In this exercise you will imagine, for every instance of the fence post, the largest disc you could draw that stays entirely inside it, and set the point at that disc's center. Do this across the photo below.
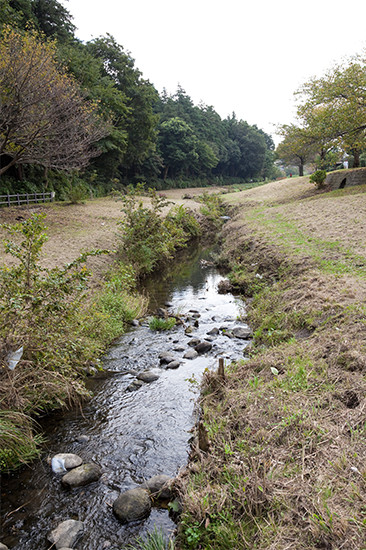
(18, 199)
(52, 195)
(9, 201)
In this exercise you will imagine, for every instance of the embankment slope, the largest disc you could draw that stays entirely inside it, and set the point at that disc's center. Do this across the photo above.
(286, 467)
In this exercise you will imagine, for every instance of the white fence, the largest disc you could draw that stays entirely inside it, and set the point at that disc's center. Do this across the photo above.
(26, 198)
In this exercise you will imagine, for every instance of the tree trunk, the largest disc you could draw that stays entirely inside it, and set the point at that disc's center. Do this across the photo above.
(356, 156)
(20, 172)
(301, 169)
(45, 176)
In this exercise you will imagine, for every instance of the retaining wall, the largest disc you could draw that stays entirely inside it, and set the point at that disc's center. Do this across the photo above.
(346, 178)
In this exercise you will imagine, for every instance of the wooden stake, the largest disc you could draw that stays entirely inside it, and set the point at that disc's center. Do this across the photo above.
(221, 371)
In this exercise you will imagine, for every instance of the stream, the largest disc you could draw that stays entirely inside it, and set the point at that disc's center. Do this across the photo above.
(131, 435)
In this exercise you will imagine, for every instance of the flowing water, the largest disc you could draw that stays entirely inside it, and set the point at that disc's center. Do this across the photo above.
(132, 436)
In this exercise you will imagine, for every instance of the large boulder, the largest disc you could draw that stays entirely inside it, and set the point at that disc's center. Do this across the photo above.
(66, 534)
(132, 505)
(83, 475)
(159, 487)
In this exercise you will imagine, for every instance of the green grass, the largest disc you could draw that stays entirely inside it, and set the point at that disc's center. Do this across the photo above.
(156, 540)
(294, 241)
(159, 324)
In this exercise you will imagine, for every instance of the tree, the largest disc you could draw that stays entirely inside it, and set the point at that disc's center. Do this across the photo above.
(112, 104)
(44, 118)
(333, 107)
(140, 96)
(178, 146)
(245, 149)
(296, 148)
(53, 19)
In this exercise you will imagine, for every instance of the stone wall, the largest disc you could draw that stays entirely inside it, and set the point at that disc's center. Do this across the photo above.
(345, 178)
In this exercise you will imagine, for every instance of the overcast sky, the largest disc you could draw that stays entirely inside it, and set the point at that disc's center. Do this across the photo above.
(247, 56)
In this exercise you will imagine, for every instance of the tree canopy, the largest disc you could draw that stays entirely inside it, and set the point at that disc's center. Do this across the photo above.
(331, 113)
(90, 97)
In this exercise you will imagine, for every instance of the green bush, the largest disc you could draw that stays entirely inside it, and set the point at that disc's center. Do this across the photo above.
(318, 178)
(75, 192)
(148, 238)
(212, 208)
(182, 217)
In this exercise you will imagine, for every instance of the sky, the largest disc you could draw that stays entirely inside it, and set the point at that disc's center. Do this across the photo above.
(246, 56)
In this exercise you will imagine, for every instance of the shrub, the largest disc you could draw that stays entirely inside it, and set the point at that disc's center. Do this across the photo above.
(148, 238)
(17, 442)
(212, 208)
(318, 178)
(183, 218)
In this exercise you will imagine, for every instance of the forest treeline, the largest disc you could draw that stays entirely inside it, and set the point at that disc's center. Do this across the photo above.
(80, 117)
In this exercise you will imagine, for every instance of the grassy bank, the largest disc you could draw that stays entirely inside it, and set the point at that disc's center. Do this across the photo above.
(286, 463)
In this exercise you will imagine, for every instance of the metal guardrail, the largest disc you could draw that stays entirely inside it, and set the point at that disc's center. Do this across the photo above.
(26, 198)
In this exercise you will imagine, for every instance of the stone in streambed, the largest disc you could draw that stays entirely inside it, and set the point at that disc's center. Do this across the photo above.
(194, 342)
(159, 487)
(135, 385)
(166, 358)
(83, 475)
(173, 365)
(179, 348)
(242, 332)
(213, 332)
(203, 347)
(82, 438)
(3, 547)
(69, 460)
(190, 354)
(132, 505)
(66, 534)
(147, 376)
